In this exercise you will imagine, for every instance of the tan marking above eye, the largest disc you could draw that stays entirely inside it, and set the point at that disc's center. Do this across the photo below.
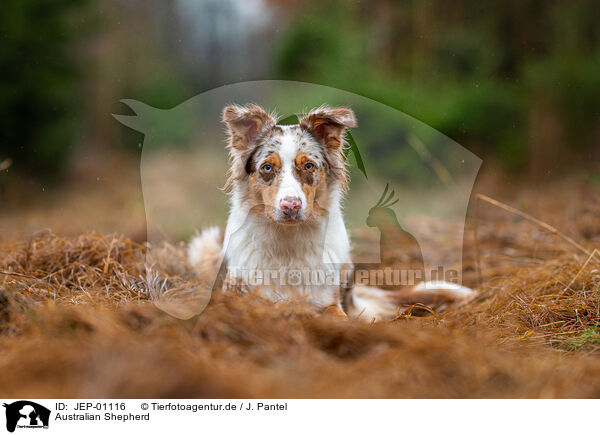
(273, 160)
(306, 175)
(275, 163)
(301, 161)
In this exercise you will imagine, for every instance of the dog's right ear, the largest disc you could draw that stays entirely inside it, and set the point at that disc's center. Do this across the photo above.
(245, 123)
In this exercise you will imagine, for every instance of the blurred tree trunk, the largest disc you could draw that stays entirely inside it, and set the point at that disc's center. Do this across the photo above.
(548, 152)
(423, 36)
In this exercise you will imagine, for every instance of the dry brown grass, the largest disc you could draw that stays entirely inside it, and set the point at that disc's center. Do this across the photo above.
(76, 321)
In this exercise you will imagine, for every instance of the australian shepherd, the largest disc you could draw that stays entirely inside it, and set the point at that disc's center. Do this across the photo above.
(287, 184)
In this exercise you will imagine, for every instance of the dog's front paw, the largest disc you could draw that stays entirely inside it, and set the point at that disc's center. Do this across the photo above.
(335, 311)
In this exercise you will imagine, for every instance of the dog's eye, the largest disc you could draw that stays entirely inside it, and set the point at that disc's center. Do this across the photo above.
(309, 165)
(267, 168)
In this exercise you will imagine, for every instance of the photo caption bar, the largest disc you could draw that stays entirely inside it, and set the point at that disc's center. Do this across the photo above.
(68, 416)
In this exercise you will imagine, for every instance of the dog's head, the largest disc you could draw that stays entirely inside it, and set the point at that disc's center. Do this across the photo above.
(288, 174)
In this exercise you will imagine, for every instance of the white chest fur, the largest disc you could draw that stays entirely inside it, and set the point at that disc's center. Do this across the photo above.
(287, 261)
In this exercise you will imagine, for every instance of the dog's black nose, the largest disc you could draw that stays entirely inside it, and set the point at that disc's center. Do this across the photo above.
(290, 206)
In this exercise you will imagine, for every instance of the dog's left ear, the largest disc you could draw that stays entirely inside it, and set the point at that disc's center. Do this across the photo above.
(328, 124)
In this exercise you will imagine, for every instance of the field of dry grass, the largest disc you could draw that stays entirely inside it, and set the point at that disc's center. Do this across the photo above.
(76, 320)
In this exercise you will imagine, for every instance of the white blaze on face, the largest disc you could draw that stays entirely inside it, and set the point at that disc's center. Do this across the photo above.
(289, 185)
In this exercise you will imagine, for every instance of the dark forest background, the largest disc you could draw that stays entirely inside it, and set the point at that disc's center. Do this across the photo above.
(516, 82)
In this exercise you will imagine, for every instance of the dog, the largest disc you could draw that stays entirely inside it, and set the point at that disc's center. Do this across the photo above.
(287, 185)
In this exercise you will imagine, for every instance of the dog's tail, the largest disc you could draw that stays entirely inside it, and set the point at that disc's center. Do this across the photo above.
(370, 303)
(205, 254)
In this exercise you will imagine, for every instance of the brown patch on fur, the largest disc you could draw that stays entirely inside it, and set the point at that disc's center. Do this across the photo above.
(263, 187)
(317, 200)
(275, 161)
(261, 196)
(306, 176)
(328, 126)
(301, 159)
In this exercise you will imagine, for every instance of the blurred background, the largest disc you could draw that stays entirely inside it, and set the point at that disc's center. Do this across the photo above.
(515, 82)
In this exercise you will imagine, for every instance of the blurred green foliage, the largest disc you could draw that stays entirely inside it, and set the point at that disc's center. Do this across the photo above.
(38, 92)
(514, 80)
(475, 71)
(589, 337)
